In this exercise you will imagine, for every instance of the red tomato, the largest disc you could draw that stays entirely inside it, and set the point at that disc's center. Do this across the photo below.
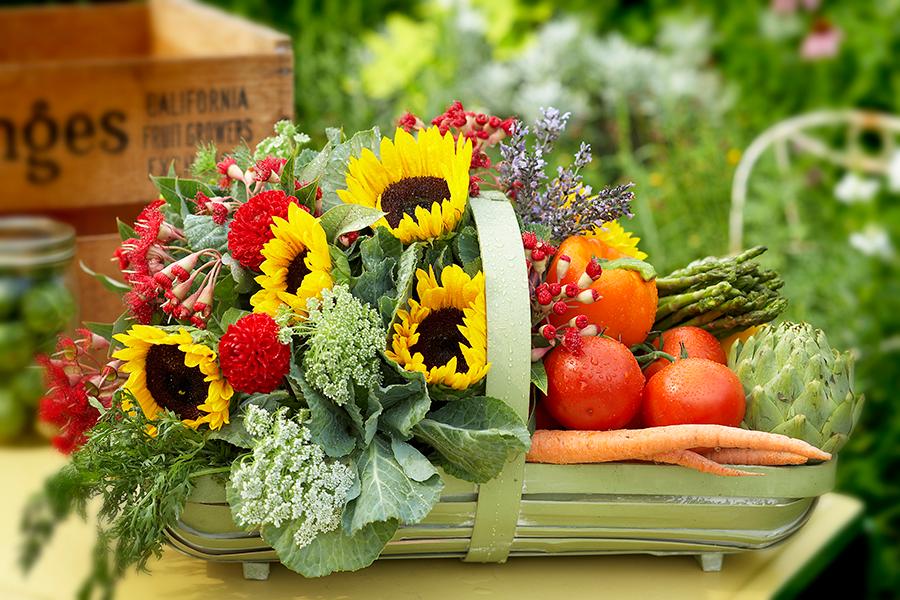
(598, 388)
(695, 391)
(698, 343)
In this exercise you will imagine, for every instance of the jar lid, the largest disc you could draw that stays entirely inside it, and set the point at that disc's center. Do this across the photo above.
(31, 242)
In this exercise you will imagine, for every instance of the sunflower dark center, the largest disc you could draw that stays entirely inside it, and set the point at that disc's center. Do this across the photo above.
(173, 385)
(297, 270)
(440, 337)
(402, 197)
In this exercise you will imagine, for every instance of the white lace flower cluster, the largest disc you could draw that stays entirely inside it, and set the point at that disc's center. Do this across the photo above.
(344, 337)
(288, 478)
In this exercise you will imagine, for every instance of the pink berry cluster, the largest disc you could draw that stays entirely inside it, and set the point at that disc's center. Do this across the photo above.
(557, 298)
(484, 130)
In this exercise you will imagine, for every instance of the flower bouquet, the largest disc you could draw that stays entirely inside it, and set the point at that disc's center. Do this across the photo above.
(333, 355)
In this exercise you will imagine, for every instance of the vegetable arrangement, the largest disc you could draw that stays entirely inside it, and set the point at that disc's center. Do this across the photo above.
(310, 328)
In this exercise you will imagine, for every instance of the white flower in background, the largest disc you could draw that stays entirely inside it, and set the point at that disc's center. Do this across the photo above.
(893, 172)
(288, 478)
(853, 189)
(873, 241)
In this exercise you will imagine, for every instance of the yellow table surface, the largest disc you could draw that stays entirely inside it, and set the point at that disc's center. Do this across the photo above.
(757, 574)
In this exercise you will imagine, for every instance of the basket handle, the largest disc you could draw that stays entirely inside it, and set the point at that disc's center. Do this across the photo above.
(509, 352)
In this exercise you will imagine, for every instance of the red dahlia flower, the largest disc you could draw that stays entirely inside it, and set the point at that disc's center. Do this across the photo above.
(251, 357)
(252, 226)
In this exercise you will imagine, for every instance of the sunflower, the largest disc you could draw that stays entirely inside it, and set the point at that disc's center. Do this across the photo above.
(169, 371)
(296, 265)
(614, 235)
(444, 334)
(422, 184)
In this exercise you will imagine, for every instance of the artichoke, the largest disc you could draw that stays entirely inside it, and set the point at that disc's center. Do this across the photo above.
(797, 385)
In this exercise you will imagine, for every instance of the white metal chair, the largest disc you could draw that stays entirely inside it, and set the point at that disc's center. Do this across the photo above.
(796, 135)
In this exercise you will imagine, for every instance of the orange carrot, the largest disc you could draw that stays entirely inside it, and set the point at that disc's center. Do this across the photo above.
(744, 456)
(568, 447)
(692, 460)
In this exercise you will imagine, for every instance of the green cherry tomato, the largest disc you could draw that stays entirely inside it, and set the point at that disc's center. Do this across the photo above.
(48, 308)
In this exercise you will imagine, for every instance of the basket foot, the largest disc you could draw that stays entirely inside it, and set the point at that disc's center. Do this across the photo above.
(257, 571)
(710, 562)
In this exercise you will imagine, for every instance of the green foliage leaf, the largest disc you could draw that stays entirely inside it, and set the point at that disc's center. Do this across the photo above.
(108, 282)
(376, 282)
(466, 247)
(244, 280)
(387, 492)
(235, 432)
(416, 466)
(330, 552)
(306, 195)
(334, 176)
(345, 218)
(125, 230)
(405, 405)
(380, 245)
(474, 437)
(406, 278)
(330, 425)
(539, 375)
(225, 297)
(287, 179)
(177, 192)
(202, 232)
(340, 267)
(314, 168)
(231, 316)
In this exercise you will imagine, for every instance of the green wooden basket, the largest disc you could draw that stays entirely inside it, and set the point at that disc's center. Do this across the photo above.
(535, 509)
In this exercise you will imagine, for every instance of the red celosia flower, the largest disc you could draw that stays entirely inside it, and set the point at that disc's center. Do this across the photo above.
(251, 226)
(251, 357)
(143, 299)
(72, 376)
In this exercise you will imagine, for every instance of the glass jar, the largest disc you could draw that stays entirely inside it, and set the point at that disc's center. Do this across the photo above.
(37, 302)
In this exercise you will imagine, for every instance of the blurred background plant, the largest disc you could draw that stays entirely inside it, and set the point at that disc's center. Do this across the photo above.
(668, 95)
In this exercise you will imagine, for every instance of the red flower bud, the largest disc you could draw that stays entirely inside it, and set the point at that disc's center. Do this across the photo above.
(555, 289)
(572, 290)
(593, 269)
(544, 297)
(560, 307)
(548, 331)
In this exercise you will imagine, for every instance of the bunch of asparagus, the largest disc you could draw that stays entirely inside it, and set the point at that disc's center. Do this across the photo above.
(721, 295)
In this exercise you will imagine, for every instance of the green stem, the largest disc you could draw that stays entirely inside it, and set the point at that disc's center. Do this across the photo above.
(210, 471)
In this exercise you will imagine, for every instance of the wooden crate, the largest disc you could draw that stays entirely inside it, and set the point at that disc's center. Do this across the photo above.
(93, 98)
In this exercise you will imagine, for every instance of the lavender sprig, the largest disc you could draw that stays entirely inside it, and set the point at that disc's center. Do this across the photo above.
(586, 211)
(566, 206)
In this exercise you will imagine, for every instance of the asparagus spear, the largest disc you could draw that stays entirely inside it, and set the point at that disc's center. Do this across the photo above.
(670, 304)
(728, 324)
(712, 262)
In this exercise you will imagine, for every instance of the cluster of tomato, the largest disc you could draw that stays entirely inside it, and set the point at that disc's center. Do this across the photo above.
(600, 385)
